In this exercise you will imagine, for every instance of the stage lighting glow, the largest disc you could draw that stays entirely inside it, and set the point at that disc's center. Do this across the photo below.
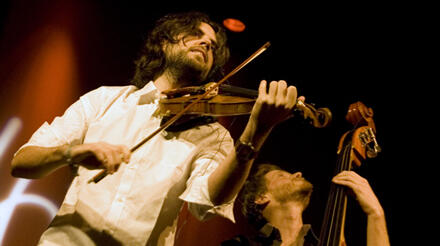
(16, 197)
(234, 25)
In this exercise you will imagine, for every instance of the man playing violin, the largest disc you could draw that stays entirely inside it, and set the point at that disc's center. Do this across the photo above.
(138, 202)
(273, 201)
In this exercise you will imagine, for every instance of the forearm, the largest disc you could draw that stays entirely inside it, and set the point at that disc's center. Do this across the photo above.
(36, 162)
(377, 234)
(271, 107)
(226, 181)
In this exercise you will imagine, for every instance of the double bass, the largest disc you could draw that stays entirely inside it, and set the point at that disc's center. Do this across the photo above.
(354, 147)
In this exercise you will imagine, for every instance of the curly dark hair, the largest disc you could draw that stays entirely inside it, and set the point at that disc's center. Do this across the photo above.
(254, 187)
(151, 62)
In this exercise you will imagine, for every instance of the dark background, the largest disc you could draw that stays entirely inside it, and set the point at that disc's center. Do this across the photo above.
(335, 54)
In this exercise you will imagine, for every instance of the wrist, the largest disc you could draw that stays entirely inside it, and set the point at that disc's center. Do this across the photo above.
(254, 133)
(376, 213)
(68, 158)
(245, 151)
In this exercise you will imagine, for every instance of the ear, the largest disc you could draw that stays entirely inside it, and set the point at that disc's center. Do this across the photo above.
(262, 199)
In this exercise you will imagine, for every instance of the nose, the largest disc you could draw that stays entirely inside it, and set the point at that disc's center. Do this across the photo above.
(297, 175)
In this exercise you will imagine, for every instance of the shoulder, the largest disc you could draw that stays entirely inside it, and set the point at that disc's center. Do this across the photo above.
(101, 98)
(110, 91)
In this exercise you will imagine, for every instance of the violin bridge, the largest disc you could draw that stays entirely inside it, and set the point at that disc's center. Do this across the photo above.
(212, 93)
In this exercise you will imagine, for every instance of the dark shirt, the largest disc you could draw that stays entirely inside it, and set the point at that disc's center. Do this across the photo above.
(270, 236)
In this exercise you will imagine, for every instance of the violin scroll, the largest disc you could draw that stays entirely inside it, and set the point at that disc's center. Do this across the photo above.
(319, 117)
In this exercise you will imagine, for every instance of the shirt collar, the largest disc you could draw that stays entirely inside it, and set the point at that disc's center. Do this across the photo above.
(269, 230)
(148, 94)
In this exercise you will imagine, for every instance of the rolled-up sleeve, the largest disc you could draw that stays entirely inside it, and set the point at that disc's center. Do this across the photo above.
(70, 128)
(196, 193)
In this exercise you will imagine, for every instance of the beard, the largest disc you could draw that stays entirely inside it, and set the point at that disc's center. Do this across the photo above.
(185, 70)
(298, 190)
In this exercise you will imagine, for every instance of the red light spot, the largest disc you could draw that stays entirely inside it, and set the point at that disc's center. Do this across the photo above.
(234, 25)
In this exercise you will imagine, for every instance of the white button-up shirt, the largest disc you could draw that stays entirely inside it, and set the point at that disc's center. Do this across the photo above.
(140, 203)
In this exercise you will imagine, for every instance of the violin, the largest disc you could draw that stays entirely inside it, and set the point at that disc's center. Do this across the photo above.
(320, 117)
(354, 147)
(227, 100)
